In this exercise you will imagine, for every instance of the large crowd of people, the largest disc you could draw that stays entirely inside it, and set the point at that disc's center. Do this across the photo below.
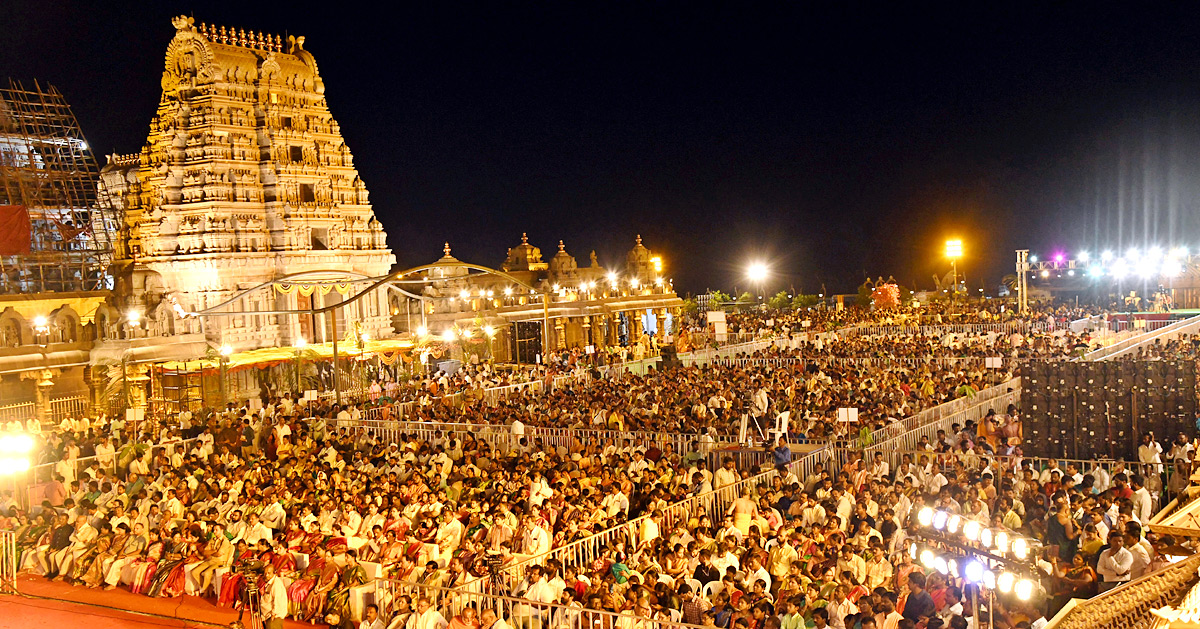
(310, 504)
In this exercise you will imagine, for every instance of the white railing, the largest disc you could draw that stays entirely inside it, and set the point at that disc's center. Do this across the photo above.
(60, 408)
(1008, 327)
(1185, 326)
(936, 413)
(941, 417)
(714, 504)
(18, 412)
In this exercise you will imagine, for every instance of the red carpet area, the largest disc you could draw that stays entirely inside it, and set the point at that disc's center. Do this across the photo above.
(115, 609)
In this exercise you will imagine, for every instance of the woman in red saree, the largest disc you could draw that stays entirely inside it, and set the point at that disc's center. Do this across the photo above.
(299, 590)
(232, 584)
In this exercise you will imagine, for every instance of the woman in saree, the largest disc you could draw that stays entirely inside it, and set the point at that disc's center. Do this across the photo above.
(352, 575)
(299, 590)
(284, 562)
(93, 574)
(315, 602)
(295, 536)
(170, 578)
(139, 572)
(234, 582)
(30, 538)
(98, 547)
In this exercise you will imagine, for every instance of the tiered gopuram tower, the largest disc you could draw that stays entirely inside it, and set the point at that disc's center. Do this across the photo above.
(244, 178)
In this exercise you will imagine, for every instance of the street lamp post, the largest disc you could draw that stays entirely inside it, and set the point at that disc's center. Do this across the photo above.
(954, 251)
(757, 274)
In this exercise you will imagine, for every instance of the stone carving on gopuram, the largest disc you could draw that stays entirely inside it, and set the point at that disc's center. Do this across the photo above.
(244, 178)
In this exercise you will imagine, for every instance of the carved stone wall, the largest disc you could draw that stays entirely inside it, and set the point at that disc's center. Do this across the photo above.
(244, 178)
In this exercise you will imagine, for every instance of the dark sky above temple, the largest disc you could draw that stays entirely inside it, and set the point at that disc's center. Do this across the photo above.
(832, 140)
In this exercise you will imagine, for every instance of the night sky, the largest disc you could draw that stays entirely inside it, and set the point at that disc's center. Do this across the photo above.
(831, 141)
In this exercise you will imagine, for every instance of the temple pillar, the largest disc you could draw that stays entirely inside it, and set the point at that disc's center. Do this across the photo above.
(42, 385)
(137, 379)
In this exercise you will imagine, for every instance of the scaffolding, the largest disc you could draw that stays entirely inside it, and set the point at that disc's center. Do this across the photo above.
(47, 166)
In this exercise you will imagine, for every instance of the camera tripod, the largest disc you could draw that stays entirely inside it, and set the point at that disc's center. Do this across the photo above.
(249, 601)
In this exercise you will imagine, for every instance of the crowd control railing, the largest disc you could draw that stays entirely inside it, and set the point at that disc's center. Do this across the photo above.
(1185, 326)
(508, 605)
(714, 504)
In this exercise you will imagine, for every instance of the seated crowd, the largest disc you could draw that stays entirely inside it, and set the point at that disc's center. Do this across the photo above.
(203, 504)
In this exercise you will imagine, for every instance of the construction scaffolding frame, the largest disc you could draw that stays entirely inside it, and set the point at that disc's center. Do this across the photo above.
(47, 166)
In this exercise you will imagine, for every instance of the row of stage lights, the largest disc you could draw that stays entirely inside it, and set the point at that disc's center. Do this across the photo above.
(973, 569)
(589, 285)
(1154, 262)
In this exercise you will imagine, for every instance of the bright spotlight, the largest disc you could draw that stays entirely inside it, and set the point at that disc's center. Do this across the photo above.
(939, 519)
(422, 330)
(927, 558)
(301, 343)
(1082, 256)
(1120, 268)
(1179, 252)
(1154, 253)
(953, 523)
(1146, 267)
(1106, 256)
(448, 335)
(1024, 589)
(489, 330)
(939, 564)
(133, 317)
(973, 572)
(1005, 582)
(1132, 253)
(989, 580)
(1172, 268)
(925, 516)
(226, 350)
(16, 444)
(1033, 258)
(464, 295)
(39, 321)
(1045, 273)
(1020, 548)
(952, 568)
(508, 291)
(612, 277)
(985, 538)
(757, 272)
(971, 529)
(1002, 542)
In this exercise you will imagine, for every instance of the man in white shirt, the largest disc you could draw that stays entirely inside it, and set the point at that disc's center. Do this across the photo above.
(255, 530)
(1115, 565)
(727, 475)
(1150, 451)
(273, 599)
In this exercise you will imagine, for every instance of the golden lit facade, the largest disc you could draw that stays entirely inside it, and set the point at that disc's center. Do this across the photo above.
(244, 178)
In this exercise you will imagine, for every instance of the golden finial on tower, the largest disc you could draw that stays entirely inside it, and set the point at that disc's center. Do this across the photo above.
(561, 246)
(524, 238)
(446, 249)
(224, 36)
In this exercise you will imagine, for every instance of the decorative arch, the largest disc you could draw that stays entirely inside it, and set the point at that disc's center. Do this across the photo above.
(15, 331)
(65, 325)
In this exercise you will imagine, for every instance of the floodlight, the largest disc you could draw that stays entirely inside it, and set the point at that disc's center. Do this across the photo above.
(925, 516)
(939, 564)
(973, 572)
(939, 519)
(1024, 589)
(1020, 548)
(1002, 541)
(953, 523)
(985, 538)
(971, 530)
(927, 558)
(16, 444)
(1005, 581)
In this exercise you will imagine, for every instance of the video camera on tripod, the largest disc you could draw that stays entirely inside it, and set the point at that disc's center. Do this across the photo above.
(250, 570)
